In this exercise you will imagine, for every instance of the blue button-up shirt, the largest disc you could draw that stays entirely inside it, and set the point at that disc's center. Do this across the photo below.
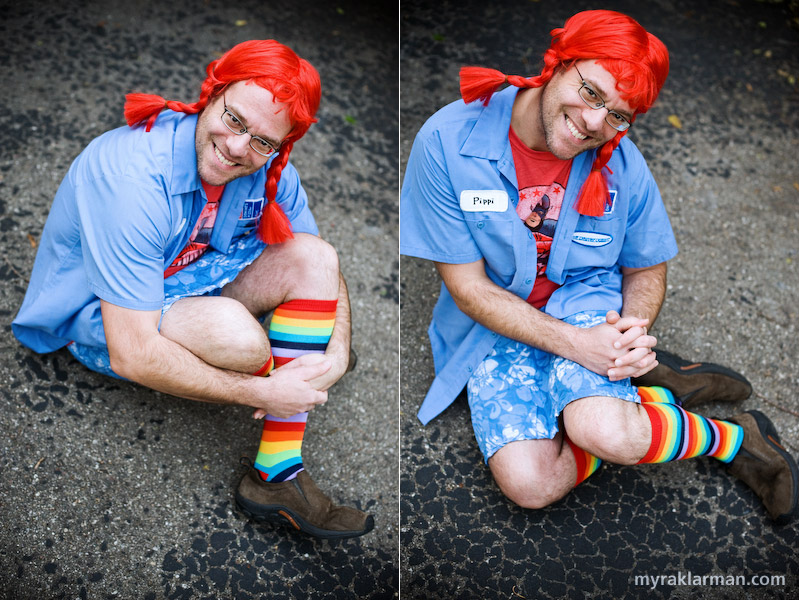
(458, 206)
(124, 211)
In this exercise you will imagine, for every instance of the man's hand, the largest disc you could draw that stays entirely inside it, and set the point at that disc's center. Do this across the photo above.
(291, 388)
(636, 345)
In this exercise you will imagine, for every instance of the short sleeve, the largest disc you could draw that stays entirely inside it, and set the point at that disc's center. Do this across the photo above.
(432, 224)
(649, 239)
(124, 227)
(293, 199)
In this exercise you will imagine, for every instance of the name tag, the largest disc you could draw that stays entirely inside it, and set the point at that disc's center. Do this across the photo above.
(251, 209)
(484, 200)
(590, 238)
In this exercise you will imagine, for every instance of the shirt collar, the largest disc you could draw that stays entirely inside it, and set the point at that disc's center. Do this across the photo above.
(185, 177)
(483, 141)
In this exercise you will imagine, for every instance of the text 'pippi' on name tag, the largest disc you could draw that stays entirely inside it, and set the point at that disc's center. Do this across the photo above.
(484, 200)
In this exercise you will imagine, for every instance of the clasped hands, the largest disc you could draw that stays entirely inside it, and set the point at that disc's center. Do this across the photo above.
(301, 384)
(620, 347)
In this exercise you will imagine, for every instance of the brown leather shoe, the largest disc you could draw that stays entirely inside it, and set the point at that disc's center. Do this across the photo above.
(695, 383)
(353, 361)
(766, 467)
(298, 503)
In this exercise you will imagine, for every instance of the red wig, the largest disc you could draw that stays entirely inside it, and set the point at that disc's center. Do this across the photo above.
(637, 59)
(272, 66)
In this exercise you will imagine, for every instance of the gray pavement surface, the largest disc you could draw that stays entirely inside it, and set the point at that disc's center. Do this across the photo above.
(730, 182)
(110, 490)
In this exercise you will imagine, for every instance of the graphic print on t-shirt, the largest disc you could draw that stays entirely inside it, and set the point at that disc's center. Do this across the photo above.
(201, 234)
(539, 208)
(542, 179)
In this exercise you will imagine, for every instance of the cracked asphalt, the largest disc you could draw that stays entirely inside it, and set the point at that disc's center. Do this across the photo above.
(108, 489)
(730, 183)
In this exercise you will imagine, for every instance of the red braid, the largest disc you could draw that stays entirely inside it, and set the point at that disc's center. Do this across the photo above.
(145, 108)
(595, 194)
(637, 60)
(269, 64)
(275, 227)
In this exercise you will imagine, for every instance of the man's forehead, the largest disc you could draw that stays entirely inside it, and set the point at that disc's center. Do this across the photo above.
(604, 83)
(256, 107)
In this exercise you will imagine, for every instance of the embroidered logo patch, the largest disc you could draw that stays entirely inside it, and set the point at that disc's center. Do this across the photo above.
(591, 238)
(610, 203)
(484, 200)
(251, 209)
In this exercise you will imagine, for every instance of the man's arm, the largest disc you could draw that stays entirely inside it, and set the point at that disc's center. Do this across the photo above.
(140, 353)
(643, 291)
(507, 314)
(340, 343)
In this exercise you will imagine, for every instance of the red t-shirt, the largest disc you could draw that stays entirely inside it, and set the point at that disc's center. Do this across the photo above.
(201, 234)
(542, 181)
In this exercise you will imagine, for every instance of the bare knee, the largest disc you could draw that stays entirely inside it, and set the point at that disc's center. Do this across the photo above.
(311, 254)
(533, 491)
(611, 429)
(532, 473)
(220, 331)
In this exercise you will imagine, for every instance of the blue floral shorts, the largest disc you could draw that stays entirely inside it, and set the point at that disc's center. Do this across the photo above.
(518, 392)
(204, 277)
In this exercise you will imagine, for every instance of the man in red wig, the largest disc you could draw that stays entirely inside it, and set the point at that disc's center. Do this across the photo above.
(547, 330)
(168, 243)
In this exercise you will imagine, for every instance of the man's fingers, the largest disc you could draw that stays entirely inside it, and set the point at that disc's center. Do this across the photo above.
(634, 357)
(308, 366)
(635, 338)
(637, 370)
(315, 398)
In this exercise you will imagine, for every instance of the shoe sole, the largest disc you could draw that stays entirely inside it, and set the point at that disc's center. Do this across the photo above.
(692, 383)
(282, 515)
(769, 433)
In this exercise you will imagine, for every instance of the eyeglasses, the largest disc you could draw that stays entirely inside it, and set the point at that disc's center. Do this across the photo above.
(234, 124)
(595, 101)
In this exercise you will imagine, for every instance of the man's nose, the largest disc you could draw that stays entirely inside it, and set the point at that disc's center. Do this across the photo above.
(594, 119)
(238, 145)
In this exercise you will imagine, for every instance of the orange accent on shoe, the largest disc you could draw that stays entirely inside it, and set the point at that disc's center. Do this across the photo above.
(775, 442)
(689, 367)
(290, 520)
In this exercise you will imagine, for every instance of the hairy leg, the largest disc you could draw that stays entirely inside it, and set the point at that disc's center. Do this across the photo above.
(614, 430)
(305, 267)
(223, 331)
(534, 473)
(220, 331)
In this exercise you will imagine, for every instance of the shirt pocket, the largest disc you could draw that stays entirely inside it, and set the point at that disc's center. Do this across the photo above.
(493, 233)
(248, 218)
(596, 242)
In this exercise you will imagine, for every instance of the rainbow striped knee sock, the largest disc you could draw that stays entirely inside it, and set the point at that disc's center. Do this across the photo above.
(676, 434)
(587, 463)
(298, 327)
(679, 434)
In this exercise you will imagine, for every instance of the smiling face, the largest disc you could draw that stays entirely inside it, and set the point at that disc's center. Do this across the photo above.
(223, 156)
(567, 126)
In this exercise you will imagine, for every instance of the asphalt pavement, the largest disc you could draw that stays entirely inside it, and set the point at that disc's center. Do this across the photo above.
(108, 489)
(722, 143)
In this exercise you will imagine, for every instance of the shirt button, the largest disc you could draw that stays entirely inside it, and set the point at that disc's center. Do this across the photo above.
(480, 225)
(469, 369)
(530, 234)
(528, 281)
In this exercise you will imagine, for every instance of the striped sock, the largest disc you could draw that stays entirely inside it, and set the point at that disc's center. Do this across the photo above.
(298, 327)
(679, 434)
(587, 463)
